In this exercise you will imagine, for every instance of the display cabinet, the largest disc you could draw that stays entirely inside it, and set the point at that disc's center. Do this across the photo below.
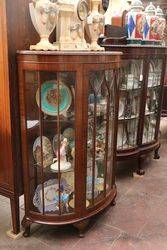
(68, 105)
(14, 20)
(140, 100)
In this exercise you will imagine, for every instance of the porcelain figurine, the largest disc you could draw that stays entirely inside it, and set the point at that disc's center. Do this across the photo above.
(44, 15)
(161, 25)
(71, 22)
(64, 164)
(135, 22)
(95, 25)
(151, 25)
(108, 13)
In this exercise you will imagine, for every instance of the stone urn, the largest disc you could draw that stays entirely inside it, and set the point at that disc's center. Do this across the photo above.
(95, 25)
(44, 16)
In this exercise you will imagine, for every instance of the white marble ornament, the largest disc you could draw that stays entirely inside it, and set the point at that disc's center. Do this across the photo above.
(71, 22)
(95, 25)
(44, 14)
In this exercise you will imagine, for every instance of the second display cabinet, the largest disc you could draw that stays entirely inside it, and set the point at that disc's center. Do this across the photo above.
(68, 105)
(140, 101)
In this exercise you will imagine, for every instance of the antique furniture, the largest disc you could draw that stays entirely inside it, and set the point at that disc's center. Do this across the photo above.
(68, 105)
(140, 100)
(16, 32)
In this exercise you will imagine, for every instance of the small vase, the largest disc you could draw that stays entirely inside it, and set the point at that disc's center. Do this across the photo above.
(44, 15)
(161, 25)
(108, 13)
(135, 22)
(95, 25)
(151, 26)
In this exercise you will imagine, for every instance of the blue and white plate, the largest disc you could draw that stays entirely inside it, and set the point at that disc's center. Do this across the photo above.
(51, 196)
(52, 99)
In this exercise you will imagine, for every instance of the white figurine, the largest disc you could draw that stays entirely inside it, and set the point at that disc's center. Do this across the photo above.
(95, 25)
(44, 16)
(64, 164)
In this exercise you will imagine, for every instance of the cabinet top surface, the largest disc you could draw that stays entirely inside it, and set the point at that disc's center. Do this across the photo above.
(69, 53)
(137, 49)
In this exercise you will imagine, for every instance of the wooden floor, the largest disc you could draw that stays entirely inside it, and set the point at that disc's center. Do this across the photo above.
(138, 221)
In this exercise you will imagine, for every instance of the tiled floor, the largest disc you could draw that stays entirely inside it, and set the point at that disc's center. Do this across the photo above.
(138, 221)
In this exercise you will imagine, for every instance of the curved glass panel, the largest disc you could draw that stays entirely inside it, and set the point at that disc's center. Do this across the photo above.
(129, 104)
(100, 134)
(152, 102)
(50, 120)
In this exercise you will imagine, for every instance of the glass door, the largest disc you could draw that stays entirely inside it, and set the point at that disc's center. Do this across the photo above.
(101, 102)
(153, 100)
(50, 123)
(129, 104)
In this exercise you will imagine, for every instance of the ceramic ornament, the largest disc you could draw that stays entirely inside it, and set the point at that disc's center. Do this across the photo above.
(135, 22)
(44, 15)
(64, 164)
(71, 23)
(151, 25)
(108, 13)
(95, 25)
(161, 24)
(115, 9)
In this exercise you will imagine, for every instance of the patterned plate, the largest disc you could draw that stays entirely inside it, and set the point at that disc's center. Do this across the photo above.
(51, 196)
(51, 99)
(47, 151)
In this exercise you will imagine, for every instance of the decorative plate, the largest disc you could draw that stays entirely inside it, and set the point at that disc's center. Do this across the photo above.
(132, 132)
(47, 151)
(72, 203)
(50, 98)
(51, 196)
(121, 137)
(121, 107)
(89, 188)
(69, 133)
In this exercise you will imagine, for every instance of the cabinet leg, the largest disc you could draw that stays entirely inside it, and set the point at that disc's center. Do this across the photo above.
(14, 202)
(81, 227)
(140, 171)
(156, 153)
(27, 232)
(26, 224)
(113, 203)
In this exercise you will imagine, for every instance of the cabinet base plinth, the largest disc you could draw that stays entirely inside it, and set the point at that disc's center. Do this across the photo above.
(13, 236)
(81, 226)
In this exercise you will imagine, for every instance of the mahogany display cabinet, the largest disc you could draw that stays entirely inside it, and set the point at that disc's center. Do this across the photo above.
(68, 106)
(140, 101)
(14, 19)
